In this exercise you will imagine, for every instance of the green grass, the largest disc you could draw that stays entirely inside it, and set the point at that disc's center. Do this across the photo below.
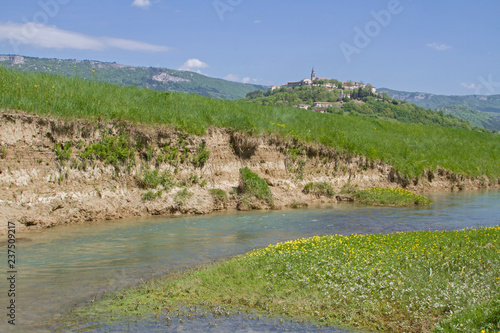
(391, 197)
(412, 282)
(409, 148)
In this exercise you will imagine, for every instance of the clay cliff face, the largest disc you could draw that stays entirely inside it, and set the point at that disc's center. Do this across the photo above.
(45, 179)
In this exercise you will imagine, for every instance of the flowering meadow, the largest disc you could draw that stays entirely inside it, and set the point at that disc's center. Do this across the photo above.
(404, 282)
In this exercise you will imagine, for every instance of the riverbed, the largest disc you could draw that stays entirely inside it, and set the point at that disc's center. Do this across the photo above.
(68, 265)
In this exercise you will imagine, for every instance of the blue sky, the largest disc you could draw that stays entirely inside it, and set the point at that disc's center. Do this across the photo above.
(438, 46)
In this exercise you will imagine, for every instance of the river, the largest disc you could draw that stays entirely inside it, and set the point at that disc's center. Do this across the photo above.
(58, 268)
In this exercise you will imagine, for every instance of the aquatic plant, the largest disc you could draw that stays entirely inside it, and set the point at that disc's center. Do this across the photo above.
(390, 197)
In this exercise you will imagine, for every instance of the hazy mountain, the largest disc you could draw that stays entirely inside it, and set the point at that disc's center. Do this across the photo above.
(153, 77)
(479, 110)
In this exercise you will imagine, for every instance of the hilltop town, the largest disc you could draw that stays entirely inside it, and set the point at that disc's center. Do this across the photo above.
(346, 90)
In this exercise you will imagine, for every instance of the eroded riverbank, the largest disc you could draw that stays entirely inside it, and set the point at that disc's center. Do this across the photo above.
(55, 172)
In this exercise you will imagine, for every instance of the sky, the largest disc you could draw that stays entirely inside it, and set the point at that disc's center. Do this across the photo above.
(448, 47)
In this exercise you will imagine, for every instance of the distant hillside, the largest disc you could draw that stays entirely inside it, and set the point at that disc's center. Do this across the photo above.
(483, 103)
(475, 117)
(479, 110)
(153, 77)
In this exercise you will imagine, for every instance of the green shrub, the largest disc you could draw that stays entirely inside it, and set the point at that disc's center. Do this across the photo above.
(182, 195)
(116, 150)
(201, 156)
(151, 179)
(349, 189)
(169, 154)
(319, 189)
(255, 186)
(149, 154)
(63, 151)
(220, 195)
(3, 152)
(296, 205)
(152, 195)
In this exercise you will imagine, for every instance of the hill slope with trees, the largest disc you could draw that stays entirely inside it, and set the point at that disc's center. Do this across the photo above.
(359, 102)
(480, 110)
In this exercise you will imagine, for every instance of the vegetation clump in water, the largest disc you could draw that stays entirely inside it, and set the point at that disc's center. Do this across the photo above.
(390, 197)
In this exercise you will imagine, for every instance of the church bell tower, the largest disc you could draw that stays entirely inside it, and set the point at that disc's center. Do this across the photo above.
(313, 75)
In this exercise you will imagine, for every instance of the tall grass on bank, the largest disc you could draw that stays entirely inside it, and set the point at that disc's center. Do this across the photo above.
(403, 282)
(410, 148)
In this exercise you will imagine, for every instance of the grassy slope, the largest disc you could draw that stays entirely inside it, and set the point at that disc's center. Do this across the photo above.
(136, 76)
(410, 148)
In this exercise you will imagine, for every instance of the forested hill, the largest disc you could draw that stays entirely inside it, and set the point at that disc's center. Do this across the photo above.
(479, 110)
(363, 103)
(147, 77)
(485, 103)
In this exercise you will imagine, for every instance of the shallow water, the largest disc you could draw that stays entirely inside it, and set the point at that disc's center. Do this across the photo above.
(60, 267)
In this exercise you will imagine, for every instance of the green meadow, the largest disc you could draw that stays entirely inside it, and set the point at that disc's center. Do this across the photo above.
(443, 281)
(409, 148)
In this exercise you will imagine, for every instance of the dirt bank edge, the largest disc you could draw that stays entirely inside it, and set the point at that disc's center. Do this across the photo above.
(41, 188)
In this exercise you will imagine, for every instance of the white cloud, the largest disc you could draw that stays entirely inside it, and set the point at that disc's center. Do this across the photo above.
(232, 77)
(193, 65)
(468, 85)
(142, 3)
(257, 21)
(51, 37)
(439, 46)
(237, 78)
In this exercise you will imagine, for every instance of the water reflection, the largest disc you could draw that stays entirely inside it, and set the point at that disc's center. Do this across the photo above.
(66, 265)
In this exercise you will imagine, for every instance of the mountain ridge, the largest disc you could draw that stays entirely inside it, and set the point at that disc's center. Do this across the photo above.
(485, 103)
(158, 78)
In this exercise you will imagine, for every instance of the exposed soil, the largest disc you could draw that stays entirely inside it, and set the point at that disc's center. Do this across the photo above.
(39, 190)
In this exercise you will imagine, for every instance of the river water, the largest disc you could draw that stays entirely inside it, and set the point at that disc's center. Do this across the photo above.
(60, 267)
